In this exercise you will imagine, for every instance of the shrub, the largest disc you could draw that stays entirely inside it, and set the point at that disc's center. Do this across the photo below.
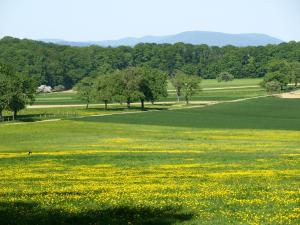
(273, 86)
(59, 88)
(225, 76)
(275, 78)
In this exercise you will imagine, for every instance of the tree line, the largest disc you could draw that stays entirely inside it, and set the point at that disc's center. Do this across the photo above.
(132, 84)
(55, 65)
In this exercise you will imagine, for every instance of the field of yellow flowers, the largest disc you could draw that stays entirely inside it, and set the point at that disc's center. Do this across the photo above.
(108, 173)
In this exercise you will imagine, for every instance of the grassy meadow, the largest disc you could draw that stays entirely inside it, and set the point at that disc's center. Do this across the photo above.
(212, 90)
(229, 163)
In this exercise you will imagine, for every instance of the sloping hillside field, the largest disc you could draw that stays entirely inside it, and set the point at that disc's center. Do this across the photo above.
(229, 163)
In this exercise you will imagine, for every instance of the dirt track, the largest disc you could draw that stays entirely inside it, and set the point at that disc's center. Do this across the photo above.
(135, 103)
(294, 94)
(198, 105)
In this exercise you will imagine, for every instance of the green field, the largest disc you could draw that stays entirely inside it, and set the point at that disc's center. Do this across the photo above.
(229, 163)
(212, 83)
(57, 98)
(222, 94)
(205, 95)
(74, 107)
(243, 90)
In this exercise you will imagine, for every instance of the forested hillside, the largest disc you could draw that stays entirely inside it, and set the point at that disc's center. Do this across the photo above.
(56, 64)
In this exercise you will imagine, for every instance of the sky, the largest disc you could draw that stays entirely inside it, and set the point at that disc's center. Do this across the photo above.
(96, 20)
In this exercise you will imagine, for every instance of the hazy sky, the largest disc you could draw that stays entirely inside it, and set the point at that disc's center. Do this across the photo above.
(83, 20)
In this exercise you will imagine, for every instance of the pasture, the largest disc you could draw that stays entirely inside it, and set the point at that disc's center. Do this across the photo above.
(212, 90)
(229, 163)
(58, 105)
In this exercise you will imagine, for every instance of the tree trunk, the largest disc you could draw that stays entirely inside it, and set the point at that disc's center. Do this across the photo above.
(105, 102)
(177, 95)
(142, 104)
(128, 104)
(15, 114)
(87, 106)
(187, 100)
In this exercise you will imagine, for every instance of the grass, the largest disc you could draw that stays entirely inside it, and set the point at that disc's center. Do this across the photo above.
(226, 94)
(39, 114)
(221, 95)
(58, 98)
(232, 163)
(261, 113)
(213, 83)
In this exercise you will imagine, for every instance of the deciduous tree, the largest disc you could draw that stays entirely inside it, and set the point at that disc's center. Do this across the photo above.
(178, 83)
(104, 88)
(85, 90)
(23, 89)
(127, 83)
(191, 86)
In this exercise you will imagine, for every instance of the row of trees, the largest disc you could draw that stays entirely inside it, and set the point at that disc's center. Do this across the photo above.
(142, 84)
(16, 90)
(65, 65)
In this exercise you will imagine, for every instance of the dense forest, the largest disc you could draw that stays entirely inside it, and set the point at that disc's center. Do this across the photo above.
(53, 64)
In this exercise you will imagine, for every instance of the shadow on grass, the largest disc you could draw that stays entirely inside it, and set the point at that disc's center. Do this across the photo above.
(25, 118)
(135, 108)
(25, 213)
(44, 116)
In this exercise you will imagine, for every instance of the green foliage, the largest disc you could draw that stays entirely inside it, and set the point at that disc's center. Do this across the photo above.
(279, 73)
(277, 76)
(273, 86)
(138, 83)
(153, 84)
(191, 86)
(277, 65)
(23, 91)
(178, 82)
(5, 89)
(127, 85)
(16, 90)
(225, 76)
(212, 90)
(55, 64)
(85, 90)
(295, 72)
(104, 88)
(58, 88)
(185, 84)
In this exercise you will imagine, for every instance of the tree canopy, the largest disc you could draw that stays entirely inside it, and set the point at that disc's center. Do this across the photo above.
(56, 65)
(279, 74)
(85, 90)
(128, 85)
(186, 85)
(16, 90)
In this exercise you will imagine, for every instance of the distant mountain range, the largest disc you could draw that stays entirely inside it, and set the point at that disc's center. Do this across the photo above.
(190, 37)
